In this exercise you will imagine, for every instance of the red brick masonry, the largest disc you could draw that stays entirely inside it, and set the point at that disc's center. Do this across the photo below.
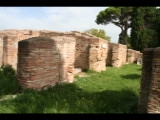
(71, 50)
(149, 101)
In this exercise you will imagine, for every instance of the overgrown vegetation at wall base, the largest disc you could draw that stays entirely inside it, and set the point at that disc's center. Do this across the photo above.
(8, 80)
(115, 90)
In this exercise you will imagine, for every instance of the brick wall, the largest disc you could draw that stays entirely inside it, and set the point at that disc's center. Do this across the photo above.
(119, 53)
(91, 51)
(36, 58)
(49, 33)
(1, 50)
(82, 52)
(10, 44)
(25, 34)
(66, 47)
(130, 56)
(98, 54)
(134, 56)
(149, 101)
(82, 46)
(71, 50)
(109, 55)
(116, 53)
(44, 61)
(81, 49)
(10, 50)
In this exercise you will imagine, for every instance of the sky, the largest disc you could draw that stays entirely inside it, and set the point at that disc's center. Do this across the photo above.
(62, 19)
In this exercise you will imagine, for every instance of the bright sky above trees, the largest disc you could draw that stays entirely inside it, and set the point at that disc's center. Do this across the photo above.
(63, 19)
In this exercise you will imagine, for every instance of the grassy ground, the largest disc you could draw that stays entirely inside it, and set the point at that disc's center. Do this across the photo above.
(115, 90)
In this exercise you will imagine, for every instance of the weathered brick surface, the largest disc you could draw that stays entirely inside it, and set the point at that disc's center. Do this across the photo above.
(82, 46)
(149, 101)
(145, 80)
(134, 56)
(81, 49)
(10, 40)
(154, 96)
(138, 58)
(98, 54)
(10, 50)
(91, 51)
(119, 53)
(82, 52)
(49, 33)
(44, 61)
(109, 55)
(38, 61)
(66, 48)
(69, 50)
(1, 50)
(130, 55)
(116, 53)
(25, 34)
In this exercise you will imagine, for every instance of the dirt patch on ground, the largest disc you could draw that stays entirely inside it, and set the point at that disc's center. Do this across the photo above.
(82, 74)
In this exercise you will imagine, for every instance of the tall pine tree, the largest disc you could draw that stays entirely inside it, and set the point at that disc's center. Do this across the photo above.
(119, 16)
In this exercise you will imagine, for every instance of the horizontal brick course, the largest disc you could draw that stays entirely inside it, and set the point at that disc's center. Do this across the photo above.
(149, 101)
(29, 63)
(44, 61)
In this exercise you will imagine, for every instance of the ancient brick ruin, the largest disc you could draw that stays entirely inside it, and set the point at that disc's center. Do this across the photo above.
(43, 61)
(149, 101)
(55, 55)
(9, 44)
(44, 58)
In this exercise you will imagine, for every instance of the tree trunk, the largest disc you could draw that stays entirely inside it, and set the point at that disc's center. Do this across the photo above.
(123, 37)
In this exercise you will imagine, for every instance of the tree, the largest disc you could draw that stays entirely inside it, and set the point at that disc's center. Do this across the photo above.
(144, 31)
(119, 16)
(99, 33)
(158, 26)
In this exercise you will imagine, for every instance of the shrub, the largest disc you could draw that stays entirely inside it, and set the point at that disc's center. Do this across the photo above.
(8, 80)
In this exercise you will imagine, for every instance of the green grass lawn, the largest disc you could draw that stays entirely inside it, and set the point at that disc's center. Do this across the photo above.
(115, 90)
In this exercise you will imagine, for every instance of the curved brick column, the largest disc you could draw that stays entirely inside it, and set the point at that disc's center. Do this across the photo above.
(38, 63)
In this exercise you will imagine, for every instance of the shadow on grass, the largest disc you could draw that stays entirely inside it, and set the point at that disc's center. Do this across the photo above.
(69, 98)
(131, 76)
(140, 69)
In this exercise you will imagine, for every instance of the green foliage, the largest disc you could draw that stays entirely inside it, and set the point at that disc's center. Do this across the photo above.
(144, 28)
(115, 90)
(99, 33)
(7, 70)
(158, 26)
(119, 16)
(8, 80)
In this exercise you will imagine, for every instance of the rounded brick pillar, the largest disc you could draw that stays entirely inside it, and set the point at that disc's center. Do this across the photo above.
(38, 63)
